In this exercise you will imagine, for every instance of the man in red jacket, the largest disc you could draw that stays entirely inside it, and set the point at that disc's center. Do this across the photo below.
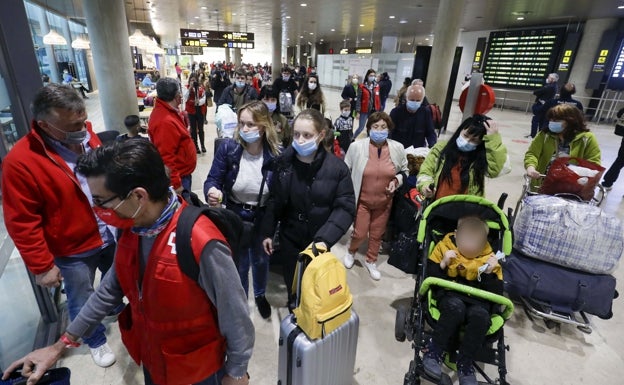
(170, 136)
(182, 330)
(47, 208)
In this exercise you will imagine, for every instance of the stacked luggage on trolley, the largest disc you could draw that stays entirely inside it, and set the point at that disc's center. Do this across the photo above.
(565, 248)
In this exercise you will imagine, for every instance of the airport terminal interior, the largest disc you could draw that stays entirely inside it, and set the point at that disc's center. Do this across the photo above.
(396, 38)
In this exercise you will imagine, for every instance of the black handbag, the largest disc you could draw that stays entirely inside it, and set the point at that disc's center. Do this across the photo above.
(404, 253)
(56, 376)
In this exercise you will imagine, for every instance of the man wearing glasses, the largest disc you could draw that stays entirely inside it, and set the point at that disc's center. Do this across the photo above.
(47, 207)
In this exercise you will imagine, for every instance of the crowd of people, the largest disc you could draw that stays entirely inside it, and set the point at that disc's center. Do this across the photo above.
(296, 177)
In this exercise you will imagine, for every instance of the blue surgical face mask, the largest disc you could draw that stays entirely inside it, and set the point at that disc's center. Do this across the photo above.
(271, 105)
(371, 79)
(555, 127)
(240, 84)
(249, 136)
(464, 145)
(412, 105)
(378, 136)
(307, 148)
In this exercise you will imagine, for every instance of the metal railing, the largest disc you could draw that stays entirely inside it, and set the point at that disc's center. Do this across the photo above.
(608, 104)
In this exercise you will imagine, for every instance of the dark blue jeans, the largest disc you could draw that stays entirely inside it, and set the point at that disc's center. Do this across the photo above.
(362, 126)
(215, 379)
(78, 276)
(186, 182)
(254, 257)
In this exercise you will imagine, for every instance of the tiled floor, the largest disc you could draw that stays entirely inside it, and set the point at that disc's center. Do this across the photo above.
(538, 356)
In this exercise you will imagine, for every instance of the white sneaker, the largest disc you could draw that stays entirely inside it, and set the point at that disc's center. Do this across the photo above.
(348, 260)
(372, 270)
(103, 356)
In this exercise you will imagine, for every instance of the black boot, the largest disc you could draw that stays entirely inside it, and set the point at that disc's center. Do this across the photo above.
(263, 306)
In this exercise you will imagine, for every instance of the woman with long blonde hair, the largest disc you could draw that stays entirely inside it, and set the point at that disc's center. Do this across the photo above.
(239, 178)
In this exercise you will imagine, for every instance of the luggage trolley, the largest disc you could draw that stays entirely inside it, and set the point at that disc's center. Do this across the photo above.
(551, 313)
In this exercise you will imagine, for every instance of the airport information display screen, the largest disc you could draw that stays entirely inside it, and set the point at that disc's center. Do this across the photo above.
(521, 58)
(616, 78)
(222, 39)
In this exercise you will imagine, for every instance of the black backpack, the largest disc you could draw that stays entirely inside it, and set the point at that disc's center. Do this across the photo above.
(234, 229)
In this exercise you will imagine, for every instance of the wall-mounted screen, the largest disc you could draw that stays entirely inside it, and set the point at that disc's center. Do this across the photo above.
(522, 58)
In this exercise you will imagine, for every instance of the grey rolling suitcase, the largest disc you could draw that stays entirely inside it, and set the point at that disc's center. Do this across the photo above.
(325, 361)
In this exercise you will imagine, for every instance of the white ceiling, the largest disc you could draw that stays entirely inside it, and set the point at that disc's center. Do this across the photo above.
(334, 21)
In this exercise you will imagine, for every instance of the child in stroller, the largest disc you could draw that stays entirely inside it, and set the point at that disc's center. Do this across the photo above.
(463, 256)
(469, 284)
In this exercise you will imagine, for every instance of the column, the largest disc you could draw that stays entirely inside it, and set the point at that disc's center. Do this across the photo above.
(228, 57)
(446, 35)
(67, 35)
(584, 60)
(108, 33)
(45, 28)
(237, 57)
(276, 57)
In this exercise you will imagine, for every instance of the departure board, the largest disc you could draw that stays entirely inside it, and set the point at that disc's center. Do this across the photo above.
(522, 58)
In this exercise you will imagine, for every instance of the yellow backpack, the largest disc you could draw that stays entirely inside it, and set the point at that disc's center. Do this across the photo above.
(325, 299)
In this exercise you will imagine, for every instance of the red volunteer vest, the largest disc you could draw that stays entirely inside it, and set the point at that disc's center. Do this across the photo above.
(366, 95)
(170, 326)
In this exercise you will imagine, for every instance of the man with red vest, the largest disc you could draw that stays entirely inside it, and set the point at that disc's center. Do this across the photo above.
(169, 134)
(182, 330)
(47, 208)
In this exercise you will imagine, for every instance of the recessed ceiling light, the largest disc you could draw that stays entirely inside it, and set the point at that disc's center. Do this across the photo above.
(403, 21)
(303, 4)
(301, 37)
(420, 21)
(234, 14)
(288, 17)
(361, 25)
(362, 39)
(620, 6)
(333, 29)
(322, 39)
(520, 18)
(267, 23)
(287, 38)
(391, 17)
(191, 23)
(426, 38)
(311, 33)
(197, 17)
(409, 43)
(204, 7)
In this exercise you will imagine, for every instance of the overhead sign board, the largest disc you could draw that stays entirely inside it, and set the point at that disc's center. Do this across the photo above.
(216, 39)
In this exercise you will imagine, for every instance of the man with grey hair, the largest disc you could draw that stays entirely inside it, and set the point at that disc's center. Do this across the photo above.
(543, 95)
(47, 207)
(413, 122)
(169, 134)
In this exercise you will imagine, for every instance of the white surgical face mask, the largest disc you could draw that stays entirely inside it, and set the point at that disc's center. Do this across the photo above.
(311, 86)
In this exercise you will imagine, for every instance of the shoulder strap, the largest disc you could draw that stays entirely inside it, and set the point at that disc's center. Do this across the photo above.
(184, 251)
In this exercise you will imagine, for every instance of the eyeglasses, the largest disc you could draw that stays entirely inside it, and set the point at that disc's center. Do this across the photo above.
(102, 203)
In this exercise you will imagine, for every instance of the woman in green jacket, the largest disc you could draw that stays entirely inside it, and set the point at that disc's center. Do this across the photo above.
(460, 165)
(566, 135)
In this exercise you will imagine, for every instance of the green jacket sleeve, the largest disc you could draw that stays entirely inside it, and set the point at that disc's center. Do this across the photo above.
(531, 157)
(429, 169)
(496, 154)
(592, 150)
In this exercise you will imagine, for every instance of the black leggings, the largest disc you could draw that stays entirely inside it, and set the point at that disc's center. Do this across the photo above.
(197, 127)
(454, 312)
